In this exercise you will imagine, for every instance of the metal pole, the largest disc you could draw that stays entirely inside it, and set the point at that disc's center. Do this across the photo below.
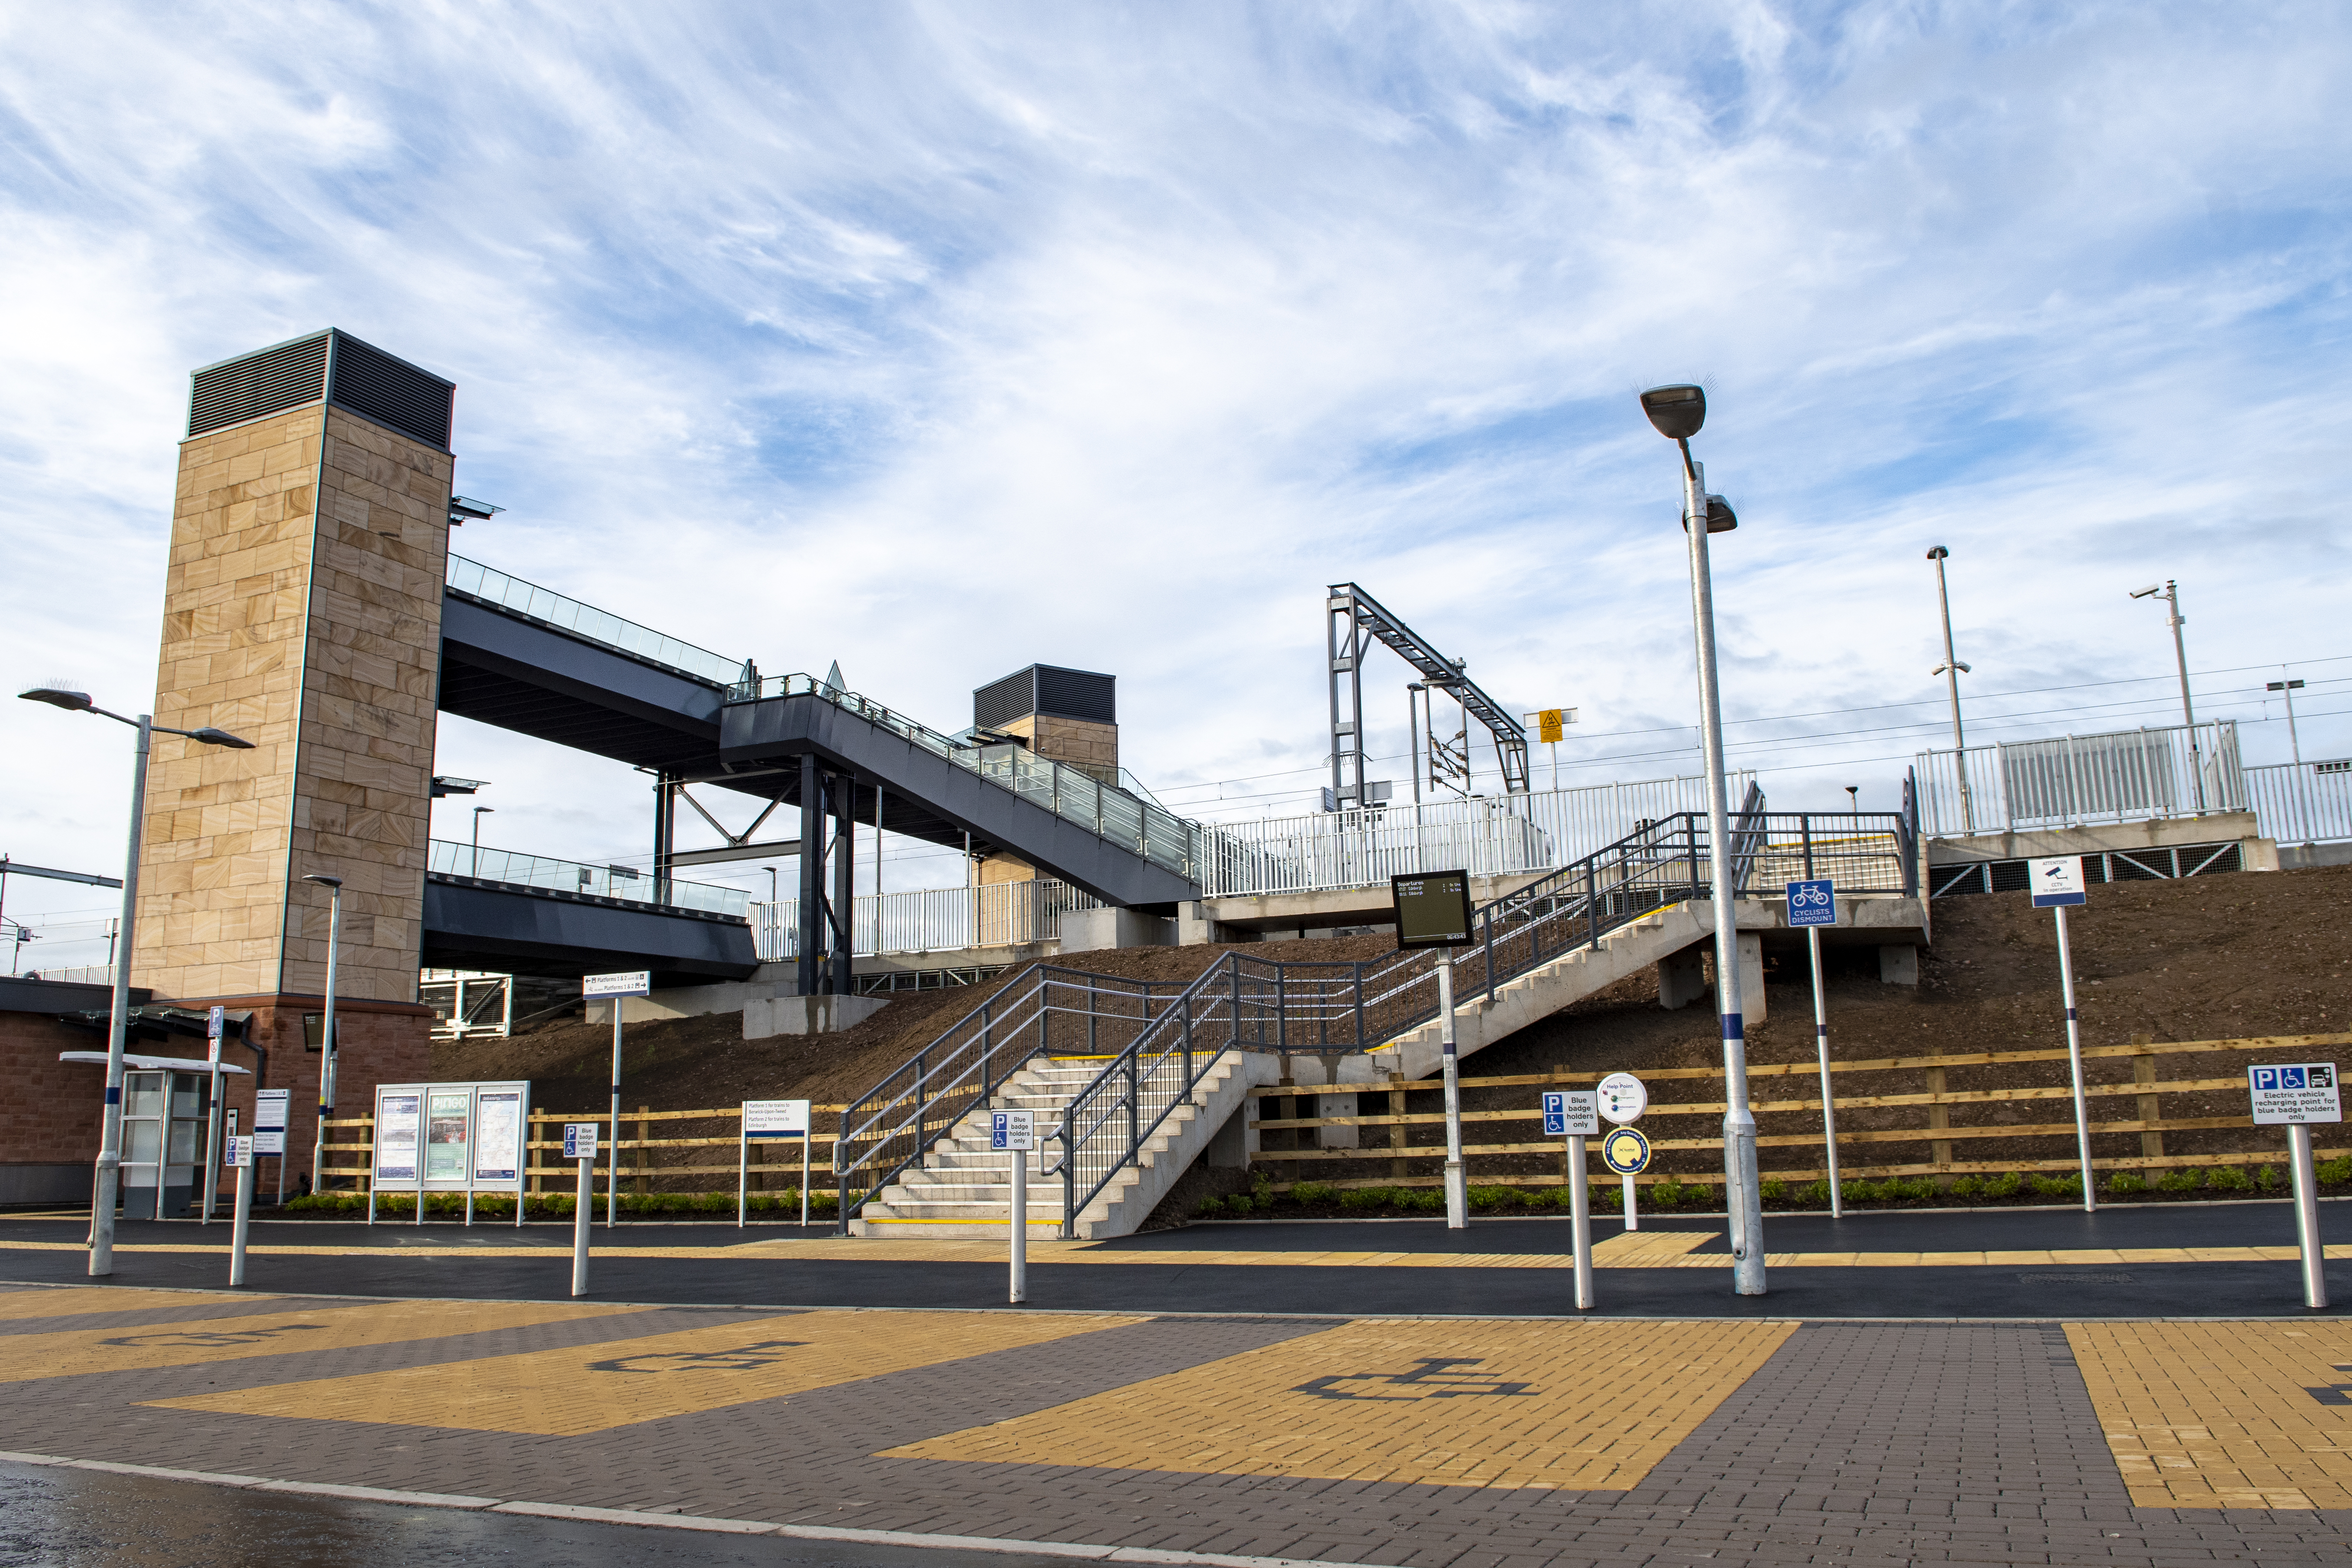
(744, 1166)
(613, 1160)
(808, 1135)
(244, 1217)
(1822, 1045)
(1952, 676)
(1580, 1206)
(327, 1056)
(1457, 1197)
(1020, 1226)
(1740, 1196)
(2307, 1217)
(583, 1208)
(106, 1187)
(2188, 708)
(2075, 1063)
(1632, 1215)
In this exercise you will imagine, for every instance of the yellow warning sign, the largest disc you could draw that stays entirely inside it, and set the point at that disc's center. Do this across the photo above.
(1549, 722)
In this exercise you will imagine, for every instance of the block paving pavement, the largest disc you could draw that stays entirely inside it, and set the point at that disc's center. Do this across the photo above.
(1845, 1442)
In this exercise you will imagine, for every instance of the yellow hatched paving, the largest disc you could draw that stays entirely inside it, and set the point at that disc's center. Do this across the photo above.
(571, 1393)
(257, 1331)
(1585, 1407)
(2224, 1414)
(74, 1299)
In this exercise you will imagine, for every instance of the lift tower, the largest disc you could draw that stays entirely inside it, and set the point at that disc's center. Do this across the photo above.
(1354, 621)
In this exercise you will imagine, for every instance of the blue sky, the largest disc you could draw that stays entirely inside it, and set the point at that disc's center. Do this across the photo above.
(941, 339)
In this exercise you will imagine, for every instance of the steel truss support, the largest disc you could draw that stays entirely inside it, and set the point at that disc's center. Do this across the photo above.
(1354, 620)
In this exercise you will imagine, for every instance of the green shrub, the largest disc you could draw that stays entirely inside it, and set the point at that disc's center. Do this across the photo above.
(1916, 1188)
(1240, 1204)
(1814, 1195)
(1608, 1198)
(1262, 1189)
(1426, 1199)
(2270, 1178)
(2179, 1182)
(2333, 1173)
(1968, 1187)
(1486, 1200)
(2124, 1183)
(1367, 1198)
(2229, 1179)
(1210, 1205)
(1773, 1191)
(1313, 1192)
(2069, 1187)
(1663, 1194)
(2006, 1185)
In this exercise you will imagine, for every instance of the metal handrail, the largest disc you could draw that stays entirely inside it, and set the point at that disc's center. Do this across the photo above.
(1346, 1007)
(1136, 822)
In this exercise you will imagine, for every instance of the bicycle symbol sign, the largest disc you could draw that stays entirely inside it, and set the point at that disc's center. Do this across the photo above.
(1812, 903)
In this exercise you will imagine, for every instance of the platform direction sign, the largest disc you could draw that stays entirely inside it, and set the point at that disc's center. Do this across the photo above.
(2298, 1094)
(1812, 903)
(1571, 1114)
(632, 982)
(775, 1118)
(2057, 882)
(269, 1121)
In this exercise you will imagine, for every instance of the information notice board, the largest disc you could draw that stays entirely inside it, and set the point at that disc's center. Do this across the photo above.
(451, 1137)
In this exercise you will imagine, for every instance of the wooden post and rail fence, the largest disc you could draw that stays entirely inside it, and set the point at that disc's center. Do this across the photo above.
(1933, 1103)
(644, 1161)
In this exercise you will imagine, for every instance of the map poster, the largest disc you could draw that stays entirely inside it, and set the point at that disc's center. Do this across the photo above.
(396, 1138)
(498, 1135)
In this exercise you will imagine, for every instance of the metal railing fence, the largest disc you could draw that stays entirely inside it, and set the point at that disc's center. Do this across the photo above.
(548, 607)
(1496, 836)
(934, 920)
(2302, 803)
(448, 858)
(1075, 795)
(2119, 775)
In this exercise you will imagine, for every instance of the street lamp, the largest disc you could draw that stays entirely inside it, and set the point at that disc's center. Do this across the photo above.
(106, 1187)
(1676, 413)
(334, 886)
(1952, 669)
(479, 812)
(2169, 592)
(2287, 689)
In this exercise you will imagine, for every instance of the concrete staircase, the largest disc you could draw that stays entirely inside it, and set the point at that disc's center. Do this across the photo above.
(963, 1188)
(1539, 992)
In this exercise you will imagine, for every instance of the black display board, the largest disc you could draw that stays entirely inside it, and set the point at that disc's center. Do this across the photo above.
(1433, 909)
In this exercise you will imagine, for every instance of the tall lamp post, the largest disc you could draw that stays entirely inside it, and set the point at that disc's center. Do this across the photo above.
(108, 1183)
(334, 886)
(1676, 413)
(2169, 592)
(479, 812)
(1952, 669)
(2287, 689)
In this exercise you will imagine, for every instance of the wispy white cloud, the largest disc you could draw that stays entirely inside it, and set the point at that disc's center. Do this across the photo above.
(939, 339)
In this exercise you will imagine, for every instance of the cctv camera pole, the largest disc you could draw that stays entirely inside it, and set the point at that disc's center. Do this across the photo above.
(107, 1189)
(327, 1046)
(2188, 708)
(1951, 671)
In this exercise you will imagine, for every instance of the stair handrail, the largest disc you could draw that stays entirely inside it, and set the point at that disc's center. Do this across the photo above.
(1344, 1007)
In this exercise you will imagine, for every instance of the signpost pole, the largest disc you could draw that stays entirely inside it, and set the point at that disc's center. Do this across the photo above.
(742, 1165)
(583, 1210)
(2307, 1217)
(241, 1151)
(1822, 1045)
(1632, 1215)
(2075, 1064)
(1457, 1197)
(613, 1160)
(1580, 1208)
(1021, 1225)
(212, 1026)
(808, 1134)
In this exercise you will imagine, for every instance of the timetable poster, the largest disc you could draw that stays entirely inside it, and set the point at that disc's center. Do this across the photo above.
(396, 1138)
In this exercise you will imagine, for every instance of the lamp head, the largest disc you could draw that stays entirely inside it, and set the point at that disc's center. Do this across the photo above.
(1719, 516)
(324, 881)
(212, 737)
(1676, 412)
(71, 701)
(1939, 553)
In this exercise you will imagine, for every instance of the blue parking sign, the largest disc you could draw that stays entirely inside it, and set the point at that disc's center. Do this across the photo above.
(1812, 903)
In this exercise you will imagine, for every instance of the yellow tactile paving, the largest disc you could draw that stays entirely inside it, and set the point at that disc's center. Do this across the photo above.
(2224, 1414)
(1589, 1407)
(569, 1393)
(74, 1299)
(1654, 1249)
(244, 1331)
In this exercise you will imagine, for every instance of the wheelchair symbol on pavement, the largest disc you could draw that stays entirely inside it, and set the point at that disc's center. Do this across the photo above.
(742, 1358)
(1433, 1377)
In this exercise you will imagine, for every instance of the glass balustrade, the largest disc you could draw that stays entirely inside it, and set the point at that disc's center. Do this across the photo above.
(453, 859)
